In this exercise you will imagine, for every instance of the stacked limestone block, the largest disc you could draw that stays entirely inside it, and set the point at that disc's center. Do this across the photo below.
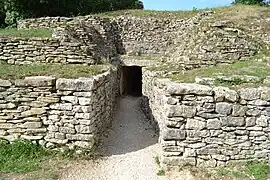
(205, 126)
(58, 112)
(45, 50)
(23, 108)
(84, 111)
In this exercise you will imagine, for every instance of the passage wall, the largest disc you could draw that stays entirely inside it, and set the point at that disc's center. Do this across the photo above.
(205, 126)
(52, 112)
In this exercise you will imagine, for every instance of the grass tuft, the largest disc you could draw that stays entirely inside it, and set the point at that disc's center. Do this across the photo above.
(258, 66)
(161, 172)
(157, 161)
(150, 13)
(26, 33)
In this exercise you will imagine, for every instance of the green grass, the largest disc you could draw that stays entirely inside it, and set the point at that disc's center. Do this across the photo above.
(22, 157)
(256, 66)
(68, 71)
(251, 68)
(26, 33)
(221, 172)
(161, 172)
(151, 13)
(250, 170)
(259, 171)
(25, 160)
(157, 161)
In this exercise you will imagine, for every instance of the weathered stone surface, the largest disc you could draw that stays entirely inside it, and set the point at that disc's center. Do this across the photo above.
(5, 83)
(48, 99)
(185, 88)
(172, 101)
(223, 93)
(258, 102)
(224, 108)
(32, 125)
(233, 121)
(83, 84)
(250, 93)
(27, 137)
(250, 121)
(239, 110)
(6, 126)
(81, 137)
(7, 106)
(33, 112)
(39, 81)
(67, 130)
(84, 101)
(262, 121)
(181, 111)
(70, 99)
(265, 94)
(62, 106)
(195, 124)
(82, 129)
(213, 124)
(173, 134)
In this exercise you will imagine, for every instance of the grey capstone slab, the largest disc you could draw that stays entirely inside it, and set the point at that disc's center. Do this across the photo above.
(185, 88)
(39, 81)
(224, 93)
(82, 84)
(5, 83)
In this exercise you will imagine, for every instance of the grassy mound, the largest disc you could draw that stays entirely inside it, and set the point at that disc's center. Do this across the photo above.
(68, 71)
(26, 33)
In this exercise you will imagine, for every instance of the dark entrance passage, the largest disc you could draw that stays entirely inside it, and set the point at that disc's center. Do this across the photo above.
(132, 80)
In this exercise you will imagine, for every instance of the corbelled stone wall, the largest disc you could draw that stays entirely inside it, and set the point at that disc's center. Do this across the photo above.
(213, 43)
(37, 50)
(204, 126)
(54, 112)
(133, 35)
(186, 42)
(78, 45)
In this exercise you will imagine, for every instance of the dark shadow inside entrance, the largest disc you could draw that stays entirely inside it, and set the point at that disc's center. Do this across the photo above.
(132, 80)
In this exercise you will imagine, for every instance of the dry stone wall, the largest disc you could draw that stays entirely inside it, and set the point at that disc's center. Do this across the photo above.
(37, 50)
(213, 43)
(56, 112)
(186, 42)
(208, 126)
(132, 35)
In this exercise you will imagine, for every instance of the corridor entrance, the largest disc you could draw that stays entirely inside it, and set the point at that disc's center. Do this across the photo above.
(131, 80)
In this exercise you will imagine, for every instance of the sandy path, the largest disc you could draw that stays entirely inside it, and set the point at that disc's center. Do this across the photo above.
(130, 148)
